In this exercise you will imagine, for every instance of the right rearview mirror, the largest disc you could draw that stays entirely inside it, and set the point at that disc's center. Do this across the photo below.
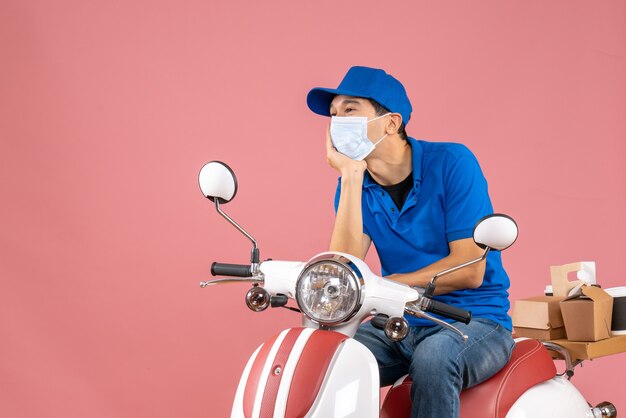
(496, 231)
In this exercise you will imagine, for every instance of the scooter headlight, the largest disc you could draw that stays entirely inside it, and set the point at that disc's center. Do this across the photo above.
(328, 290)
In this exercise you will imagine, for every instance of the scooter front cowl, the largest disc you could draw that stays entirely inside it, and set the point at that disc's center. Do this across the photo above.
(303, 372)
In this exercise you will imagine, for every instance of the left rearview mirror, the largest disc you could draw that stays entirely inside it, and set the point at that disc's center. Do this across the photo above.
(217, 181)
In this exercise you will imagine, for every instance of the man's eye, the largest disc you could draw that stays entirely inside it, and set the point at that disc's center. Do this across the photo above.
(349, 109)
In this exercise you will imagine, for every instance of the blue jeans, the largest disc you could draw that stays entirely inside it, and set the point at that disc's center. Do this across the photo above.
(439, 362)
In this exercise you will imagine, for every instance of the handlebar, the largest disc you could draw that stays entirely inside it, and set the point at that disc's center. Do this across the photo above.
(379, 321)
(445, 310)
(234, 270)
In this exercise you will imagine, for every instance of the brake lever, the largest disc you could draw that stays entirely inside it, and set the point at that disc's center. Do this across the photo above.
(255, 280)
(414, 310)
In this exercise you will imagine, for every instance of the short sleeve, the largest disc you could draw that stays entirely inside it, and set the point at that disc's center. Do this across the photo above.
(466, 198)
(337, 195)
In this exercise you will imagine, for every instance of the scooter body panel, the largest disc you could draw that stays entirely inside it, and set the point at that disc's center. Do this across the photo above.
(350, 388)
(237, 411)
(554, 398)
(305, 372)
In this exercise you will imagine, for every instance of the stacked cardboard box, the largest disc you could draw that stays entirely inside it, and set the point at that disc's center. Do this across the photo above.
(539, 317)
(577, 311)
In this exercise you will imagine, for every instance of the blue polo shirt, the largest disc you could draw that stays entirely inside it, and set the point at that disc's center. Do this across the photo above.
(448, 197)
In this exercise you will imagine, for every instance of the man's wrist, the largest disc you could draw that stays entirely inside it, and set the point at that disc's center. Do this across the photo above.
(352, 173)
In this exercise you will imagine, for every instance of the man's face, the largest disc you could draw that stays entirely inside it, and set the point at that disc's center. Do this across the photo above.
(357, 106)
(352, 106)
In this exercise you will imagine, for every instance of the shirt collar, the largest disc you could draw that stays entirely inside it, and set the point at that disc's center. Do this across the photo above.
(417, 154)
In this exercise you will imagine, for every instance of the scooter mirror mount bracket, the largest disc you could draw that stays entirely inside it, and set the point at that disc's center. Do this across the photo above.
(254, 254)
(218, 183)
(493, 232)
(430, 289)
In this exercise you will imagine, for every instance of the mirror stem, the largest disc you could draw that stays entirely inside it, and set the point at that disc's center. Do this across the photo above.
(431, 286)
(254, 257)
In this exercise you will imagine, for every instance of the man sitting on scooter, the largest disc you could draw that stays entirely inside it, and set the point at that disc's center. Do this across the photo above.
(418, 202)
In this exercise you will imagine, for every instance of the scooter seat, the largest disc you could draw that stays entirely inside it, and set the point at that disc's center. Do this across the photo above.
(530, 364)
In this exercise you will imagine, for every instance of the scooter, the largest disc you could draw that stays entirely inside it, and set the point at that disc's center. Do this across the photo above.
(319, 370)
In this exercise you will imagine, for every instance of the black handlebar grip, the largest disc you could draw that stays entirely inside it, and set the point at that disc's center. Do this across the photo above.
(379, 321)
(236, 270)
(278, 300)
(452, 312)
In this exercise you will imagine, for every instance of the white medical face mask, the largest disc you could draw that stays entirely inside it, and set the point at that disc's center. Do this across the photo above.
(349, 136)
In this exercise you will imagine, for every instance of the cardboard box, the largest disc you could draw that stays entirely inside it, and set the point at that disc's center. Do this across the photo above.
(590, 350)
(540, 334)
(539, 317)
(587, 315)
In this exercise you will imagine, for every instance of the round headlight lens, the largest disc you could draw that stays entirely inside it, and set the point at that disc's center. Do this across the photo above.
(328, 292)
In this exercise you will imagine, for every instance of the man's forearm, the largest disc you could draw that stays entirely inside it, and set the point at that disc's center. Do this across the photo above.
(347, 234)
(467, 278)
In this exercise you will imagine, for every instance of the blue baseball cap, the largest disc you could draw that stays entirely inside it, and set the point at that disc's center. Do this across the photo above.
(365, 82)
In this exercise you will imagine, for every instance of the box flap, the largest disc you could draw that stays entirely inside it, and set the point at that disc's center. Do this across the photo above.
(596, 294)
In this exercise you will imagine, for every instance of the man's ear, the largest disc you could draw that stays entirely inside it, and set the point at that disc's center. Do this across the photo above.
(395, 120)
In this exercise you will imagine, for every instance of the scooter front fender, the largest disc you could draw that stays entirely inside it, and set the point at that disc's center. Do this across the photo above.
(303, 372)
